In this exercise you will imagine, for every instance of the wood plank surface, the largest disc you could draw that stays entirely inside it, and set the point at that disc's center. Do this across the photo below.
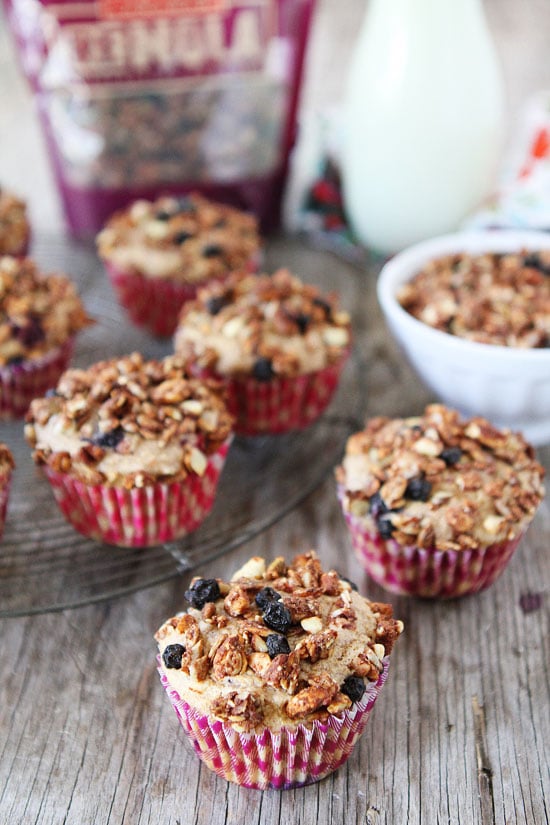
(460, 734)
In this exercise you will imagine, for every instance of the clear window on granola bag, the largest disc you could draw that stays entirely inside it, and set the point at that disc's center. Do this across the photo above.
(142, 97)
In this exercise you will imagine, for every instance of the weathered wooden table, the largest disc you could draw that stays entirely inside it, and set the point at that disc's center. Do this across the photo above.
(461, 731)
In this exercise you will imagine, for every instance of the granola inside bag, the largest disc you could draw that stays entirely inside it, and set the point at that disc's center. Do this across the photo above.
(139, 97)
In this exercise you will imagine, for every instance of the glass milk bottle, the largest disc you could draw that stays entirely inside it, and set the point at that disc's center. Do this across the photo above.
(423, 120)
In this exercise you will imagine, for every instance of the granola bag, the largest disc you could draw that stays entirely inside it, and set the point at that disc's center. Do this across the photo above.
(139, 97)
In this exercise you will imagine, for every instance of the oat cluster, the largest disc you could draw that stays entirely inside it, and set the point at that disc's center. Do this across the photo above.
(278, 644)
(275, 323)
(439, 482)
(206, 239)
(37, 312)
(118, 407)
(501, 299)
(14, 226)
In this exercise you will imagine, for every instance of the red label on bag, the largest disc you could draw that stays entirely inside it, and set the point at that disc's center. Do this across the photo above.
(132, 9)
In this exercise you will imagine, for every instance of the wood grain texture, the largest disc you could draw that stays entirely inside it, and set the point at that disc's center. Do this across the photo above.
(459, 735)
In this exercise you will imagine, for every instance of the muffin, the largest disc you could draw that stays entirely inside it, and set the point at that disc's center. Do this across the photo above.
(39, 317)
(133, 449)
(158, 253)
(437, 505)
(273, 674)
(6, 466)
(278, 344)
(14, 226)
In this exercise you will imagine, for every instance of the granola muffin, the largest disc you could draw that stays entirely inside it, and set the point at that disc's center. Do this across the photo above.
(39, 317)
(437, 505)
(273, 674)
(14, 225)
(158, 253)
(6, 466)
(133, 449)
(495, 298)
(279, 344)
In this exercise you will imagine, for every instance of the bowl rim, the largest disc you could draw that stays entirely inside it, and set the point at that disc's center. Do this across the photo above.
(400, 269)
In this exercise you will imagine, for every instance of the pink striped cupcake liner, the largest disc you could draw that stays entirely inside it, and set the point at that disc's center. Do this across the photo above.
(283, 403)
(430, 573)
(155, 303)
(5, 481)
(139, 517)
(283, 759)
(20, 383)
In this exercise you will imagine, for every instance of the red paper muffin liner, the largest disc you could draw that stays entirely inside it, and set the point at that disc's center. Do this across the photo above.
(155, 303)
(283, 759)
(431, 573)
(5, 481)
(139, 517)
(20, 383)
(281, 404)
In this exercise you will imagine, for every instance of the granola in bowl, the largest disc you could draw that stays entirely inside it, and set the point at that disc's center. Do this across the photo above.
(279, 345)
(40, 315)
(133, 448)
(157, 253)
(14, 224)
(283, 661)
(436, 505)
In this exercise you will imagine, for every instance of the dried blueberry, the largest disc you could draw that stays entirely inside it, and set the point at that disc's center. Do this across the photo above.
(203, 591)
(277, 617)
(263, 369)
(212, 250)
(451, 455)
(162, 215)
(377, 505)
(320, 302)
(181, 237)
(302, 321)
(216, 303)
(265, 596)
(533, 260)
(385, 528)
(172, 656)
(185, 204)
(109, 439)
(277, 644)
(418, 489)
(349, 581)
(354, 688)
(15, 360)
(31, 333)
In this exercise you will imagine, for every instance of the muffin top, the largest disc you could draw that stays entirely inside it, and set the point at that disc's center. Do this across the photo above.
(7, 462)
(37, 312)
(14, 226)
(263, 325)
(188, 239)
(129, 422)
(501, 299)
(278, 645)
(439, 482)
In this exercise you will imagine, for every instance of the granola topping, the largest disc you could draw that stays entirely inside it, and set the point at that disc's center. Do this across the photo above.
(243, 672)
(7, 462)
(501, 299)
(471, 487)
(37, 312)
(14, 225)
(263, 325)
(189, 239)
(129, 422)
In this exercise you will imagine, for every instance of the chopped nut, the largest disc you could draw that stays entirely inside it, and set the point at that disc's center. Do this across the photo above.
(312, 625)
(253, 569)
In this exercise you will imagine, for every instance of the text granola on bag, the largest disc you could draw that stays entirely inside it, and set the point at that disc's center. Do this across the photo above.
(139, 97)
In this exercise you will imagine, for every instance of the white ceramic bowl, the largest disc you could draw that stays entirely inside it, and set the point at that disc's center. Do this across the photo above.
(508, 385)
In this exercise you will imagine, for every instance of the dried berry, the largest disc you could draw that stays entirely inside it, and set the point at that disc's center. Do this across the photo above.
(265, 596)
(277, 644)
(162, 215)
(31, 333)
(277, 617)
(185, 204)
(216, 303)
(418, 489)
(385, 528)
(533, 260)
(212, 250)
(109, 439)
(353, 687)
(263, 369)
(301, 320)
(349, 581)
(181, 237)
(377, 506)
(320, 302)
(172, 656)
(203, 591)
(451, 455)
(15, 360)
